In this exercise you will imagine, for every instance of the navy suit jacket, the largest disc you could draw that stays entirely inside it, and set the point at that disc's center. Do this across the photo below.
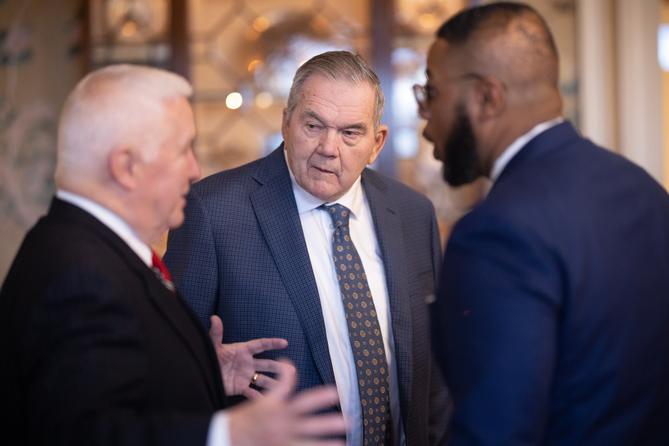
(241, 254)
(552, 319)
(96, 351)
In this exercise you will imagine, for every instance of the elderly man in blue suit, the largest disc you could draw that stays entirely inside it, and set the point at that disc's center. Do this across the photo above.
(309, 245)
(552, 317)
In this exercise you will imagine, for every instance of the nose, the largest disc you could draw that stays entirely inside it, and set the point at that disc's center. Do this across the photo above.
(195, 172)
(328, 144)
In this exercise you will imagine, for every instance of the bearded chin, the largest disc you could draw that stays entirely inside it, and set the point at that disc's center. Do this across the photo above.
(462, 164)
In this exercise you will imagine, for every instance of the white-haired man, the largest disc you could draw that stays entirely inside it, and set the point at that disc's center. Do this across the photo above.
(99, 347)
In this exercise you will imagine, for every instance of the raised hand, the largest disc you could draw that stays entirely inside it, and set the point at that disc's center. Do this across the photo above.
(284, 418)
(239, 367)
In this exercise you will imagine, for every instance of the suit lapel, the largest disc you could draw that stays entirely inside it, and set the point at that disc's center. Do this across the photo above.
(171, 306)
(387, 224)
(168, 304)
(276, 211)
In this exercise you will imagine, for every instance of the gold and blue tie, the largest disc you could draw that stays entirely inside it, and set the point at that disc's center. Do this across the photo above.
(363, 331)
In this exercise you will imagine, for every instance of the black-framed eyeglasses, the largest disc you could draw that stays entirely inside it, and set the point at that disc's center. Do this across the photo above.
(425, 93)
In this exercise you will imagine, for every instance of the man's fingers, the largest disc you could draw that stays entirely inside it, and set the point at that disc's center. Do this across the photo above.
(280, 367)
(256, 346)
(251, 394)
(287, 377)
(328, 442)
(321, 425)
(268, 365)
(216, 330)
(315, 399)
(265, 382)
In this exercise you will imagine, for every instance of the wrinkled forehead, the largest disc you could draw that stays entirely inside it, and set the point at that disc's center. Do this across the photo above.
(325, 93)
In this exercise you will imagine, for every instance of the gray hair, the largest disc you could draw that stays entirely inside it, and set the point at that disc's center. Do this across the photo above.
(337, 65)
(115, 105)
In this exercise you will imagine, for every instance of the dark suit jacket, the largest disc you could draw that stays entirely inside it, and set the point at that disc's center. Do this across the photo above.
(241, 254)
(552, 320)
(95, 349)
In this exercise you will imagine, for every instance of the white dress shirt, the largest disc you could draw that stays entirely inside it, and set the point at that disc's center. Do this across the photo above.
(503, 160)
(218, 427)
(318, 231)
(112, 221)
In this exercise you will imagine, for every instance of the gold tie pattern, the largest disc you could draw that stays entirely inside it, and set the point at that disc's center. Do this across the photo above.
(363, 331)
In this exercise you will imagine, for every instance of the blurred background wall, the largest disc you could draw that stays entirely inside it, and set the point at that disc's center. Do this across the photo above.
(241, 56)
(41, 58)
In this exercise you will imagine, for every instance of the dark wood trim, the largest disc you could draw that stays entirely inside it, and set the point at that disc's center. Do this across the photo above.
(178, 38)
(381, 27)
(86, 55)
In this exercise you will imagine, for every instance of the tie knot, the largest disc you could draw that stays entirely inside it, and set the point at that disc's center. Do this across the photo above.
(339, 214)
(158, 265)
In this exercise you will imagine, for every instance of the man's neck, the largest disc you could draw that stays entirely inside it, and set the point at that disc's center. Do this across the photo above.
(110, 219)
(507, 154)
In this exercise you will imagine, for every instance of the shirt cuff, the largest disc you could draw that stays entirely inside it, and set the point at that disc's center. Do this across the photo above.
(219, 430)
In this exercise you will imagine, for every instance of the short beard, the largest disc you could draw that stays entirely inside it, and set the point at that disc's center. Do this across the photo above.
(462, 164)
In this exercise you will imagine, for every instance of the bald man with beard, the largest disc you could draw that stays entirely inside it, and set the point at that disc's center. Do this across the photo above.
(552, 315)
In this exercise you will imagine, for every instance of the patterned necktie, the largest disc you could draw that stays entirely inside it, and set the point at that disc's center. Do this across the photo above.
(161, 271)
(363, 331)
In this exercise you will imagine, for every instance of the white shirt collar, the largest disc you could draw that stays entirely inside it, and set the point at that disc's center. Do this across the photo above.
(112, 221)
(503, 160)
(352, 199)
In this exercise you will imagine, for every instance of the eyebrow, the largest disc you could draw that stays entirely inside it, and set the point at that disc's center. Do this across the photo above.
(314, 115)
(355, 125)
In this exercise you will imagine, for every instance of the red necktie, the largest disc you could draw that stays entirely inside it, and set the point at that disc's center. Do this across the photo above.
(161, 271)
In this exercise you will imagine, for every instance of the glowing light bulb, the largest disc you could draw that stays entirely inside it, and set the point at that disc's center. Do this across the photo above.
(234, 100)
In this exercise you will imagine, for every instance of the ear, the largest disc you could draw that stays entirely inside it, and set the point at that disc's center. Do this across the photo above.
(123, 164)
(490, 98)
(380, 136)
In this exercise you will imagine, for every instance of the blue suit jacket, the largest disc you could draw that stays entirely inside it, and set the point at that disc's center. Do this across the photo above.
(241, 254)
(552, 320)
